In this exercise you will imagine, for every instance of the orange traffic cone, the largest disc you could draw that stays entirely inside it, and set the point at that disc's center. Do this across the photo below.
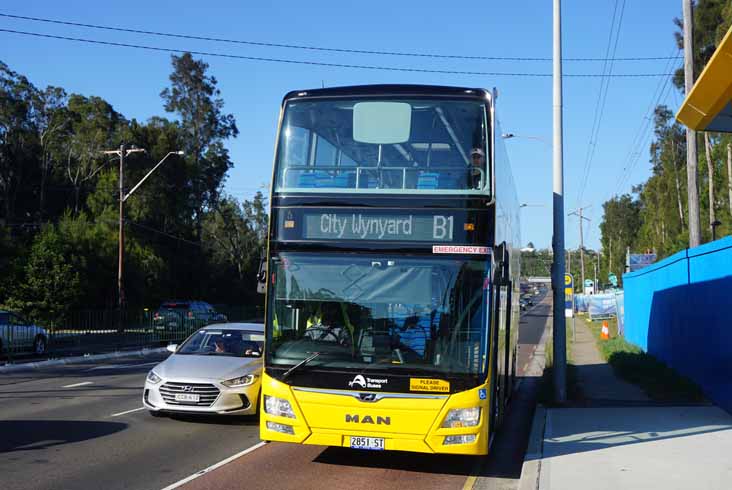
(605, 332)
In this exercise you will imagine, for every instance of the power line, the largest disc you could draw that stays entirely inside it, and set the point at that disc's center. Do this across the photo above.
(601, 99)
(315, 48)
(331, 65)
(633, 158)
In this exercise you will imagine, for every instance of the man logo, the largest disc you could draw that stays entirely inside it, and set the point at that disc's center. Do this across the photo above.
(358, 380)
(367, 419)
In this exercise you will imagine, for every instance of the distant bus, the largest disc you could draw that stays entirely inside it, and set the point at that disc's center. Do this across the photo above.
(392, 271)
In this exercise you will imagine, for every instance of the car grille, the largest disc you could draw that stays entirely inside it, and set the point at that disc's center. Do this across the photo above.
(207, 392)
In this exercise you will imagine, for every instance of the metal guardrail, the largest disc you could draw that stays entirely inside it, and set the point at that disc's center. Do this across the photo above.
(108, 330)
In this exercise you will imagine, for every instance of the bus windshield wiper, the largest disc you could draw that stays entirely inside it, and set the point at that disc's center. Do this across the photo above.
(300, 364)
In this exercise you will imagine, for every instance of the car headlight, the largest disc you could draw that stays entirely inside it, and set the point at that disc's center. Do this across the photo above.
(153, 378)
(240, 381)
(462, 417)
(278, 406)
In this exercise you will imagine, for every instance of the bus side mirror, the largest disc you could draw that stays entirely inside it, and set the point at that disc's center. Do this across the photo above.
(262, 276)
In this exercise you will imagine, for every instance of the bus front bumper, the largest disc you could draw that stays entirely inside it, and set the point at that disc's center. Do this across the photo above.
(400, 424)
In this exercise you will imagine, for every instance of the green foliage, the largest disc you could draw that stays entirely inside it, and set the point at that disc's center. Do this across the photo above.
(630, 363)
(537, 263)
(51, 281)
(620, 226)
(54, 177)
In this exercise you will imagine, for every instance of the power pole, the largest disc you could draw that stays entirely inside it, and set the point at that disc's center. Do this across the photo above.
(559, 322)
(729, 175)
(691, 156)
(578, 212)
(122, 153)
(597, 271)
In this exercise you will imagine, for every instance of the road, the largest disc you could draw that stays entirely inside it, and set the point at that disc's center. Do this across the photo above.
(81, 426)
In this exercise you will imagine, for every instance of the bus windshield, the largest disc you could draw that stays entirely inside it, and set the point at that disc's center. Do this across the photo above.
(379, 312)
(385, 145)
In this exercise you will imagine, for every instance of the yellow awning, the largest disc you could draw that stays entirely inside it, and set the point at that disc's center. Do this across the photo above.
(708, 107)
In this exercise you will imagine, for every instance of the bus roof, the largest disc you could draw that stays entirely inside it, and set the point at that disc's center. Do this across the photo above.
(398, 90)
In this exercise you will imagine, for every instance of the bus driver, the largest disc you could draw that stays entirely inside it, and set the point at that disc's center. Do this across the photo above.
(477, 168)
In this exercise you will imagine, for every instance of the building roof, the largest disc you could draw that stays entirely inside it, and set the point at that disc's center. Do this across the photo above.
(708, 106)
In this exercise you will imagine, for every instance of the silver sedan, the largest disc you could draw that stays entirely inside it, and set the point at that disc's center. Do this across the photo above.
(217, 370)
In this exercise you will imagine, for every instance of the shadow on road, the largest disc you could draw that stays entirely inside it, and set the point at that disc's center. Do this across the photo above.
(239, 420)
(27, 435)
(404, 461)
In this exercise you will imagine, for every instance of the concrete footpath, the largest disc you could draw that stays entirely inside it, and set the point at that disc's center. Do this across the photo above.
(615, 437)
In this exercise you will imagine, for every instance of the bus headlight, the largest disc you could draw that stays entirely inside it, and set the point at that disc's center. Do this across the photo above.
(462, 417)
(278, 406)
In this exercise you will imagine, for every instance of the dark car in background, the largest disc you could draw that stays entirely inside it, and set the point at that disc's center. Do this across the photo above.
(185, 316)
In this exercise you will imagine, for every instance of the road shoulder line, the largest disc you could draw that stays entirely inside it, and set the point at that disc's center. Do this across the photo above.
(204, 471)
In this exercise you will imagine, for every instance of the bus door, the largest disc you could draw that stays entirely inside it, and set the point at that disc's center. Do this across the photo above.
(498, 340)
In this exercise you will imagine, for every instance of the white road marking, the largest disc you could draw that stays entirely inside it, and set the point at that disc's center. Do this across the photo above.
(78, 384)
(214, 466)
(123, 366)
(127, 411)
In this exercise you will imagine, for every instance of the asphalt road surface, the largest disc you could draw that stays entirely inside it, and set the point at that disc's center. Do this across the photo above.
(83, 427)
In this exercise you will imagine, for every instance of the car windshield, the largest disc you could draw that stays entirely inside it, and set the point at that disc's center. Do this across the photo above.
(390, 145)
(379, 312)
(224, 342)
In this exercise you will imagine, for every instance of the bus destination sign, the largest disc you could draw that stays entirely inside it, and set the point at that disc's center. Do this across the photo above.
(366, 226)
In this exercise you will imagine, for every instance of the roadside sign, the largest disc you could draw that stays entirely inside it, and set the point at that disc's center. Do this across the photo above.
(568, 296)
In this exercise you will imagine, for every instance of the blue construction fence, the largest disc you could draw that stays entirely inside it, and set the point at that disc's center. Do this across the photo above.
(678, 310)
(600, 306)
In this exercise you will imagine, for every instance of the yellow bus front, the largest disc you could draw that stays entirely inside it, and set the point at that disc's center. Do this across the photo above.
(378, 352)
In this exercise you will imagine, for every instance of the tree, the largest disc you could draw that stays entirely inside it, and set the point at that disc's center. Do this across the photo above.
(17, 136)
(195, 98)
(51, 283)
(52, 120)
(94, 124)
(620, 225)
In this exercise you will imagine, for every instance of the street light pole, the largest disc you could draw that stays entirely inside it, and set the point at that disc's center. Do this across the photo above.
(121, 239)
(123, 152)
(559, 325)
(691, 155)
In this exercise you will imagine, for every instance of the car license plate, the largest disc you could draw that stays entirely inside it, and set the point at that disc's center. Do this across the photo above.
(372, 443)
(187, 397)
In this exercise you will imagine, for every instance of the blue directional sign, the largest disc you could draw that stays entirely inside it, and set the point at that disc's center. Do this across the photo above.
(568, 295)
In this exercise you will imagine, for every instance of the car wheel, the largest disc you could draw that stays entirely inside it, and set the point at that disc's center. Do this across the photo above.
(39, 345)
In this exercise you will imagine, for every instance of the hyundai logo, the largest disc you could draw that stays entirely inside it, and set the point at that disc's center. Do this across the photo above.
(188, 388)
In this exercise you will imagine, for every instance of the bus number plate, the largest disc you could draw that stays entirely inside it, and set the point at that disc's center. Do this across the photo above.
(372, 443)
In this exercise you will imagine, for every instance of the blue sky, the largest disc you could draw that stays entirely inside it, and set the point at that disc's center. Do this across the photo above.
(131, 80)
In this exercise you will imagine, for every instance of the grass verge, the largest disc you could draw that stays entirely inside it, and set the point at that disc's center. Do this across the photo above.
(546, 390)
(659, 381)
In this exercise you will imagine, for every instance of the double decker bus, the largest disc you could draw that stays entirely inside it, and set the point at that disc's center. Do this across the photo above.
(392, 271)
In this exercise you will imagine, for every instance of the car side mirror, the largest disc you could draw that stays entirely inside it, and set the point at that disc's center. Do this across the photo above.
(172, 347)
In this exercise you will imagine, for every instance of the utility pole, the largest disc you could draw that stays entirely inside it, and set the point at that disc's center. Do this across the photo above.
(578, 212)
(710, 180)
(123, 152)
(691, 156)
(729, 175)
(559, 321)
(597, 271)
